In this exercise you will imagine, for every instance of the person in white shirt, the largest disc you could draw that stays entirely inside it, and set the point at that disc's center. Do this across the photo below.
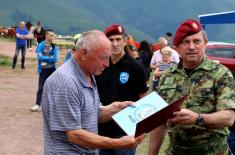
(157, 57)
(164, 65)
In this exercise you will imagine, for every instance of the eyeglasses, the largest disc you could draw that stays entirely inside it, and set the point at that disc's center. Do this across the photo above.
(133, 48)
(165, 54)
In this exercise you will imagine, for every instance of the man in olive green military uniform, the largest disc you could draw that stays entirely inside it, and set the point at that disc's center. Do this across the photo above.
(200, 127)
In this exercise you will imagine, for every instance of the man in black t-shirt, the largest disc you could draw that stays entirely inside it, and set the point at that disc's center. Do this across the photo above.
(124, 79)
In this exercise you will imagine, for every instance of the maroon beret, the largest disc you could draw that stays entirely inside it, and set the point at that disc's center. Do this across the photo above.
(187, 28)
(114, 29)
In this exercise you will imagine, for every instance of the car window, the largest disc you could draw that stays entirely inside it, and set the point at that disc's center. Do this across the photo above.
(222, 52)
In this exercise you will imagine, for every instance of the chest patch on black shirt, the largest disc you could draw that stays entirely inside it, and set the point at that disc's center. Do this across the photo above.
(124, 77)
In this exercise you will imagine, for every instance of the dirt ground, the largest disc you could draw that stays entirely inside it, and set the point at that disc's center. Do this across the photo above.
(20, 129)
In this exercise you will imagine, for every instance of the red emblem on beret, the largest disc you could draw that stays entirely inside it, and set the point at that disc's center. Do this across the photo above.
(187, 28)
(114, 29)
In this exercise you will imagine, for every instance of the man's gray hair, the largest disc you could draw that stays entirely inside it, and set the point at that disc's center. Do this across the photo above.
(163, 40)
(204, 35)
(89, 40)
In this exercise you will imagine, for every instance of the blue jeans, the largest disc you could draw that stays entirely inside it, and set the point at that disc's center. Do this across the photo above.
(231, 141)
(117, 152)
(23, 50)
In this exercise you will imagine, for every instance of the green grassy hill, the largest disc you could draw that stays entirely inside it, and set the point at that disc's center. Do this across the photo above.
(144, 19)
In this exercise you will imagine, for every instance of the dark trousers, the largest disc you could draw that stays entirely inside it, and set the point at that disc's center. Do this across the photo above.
(23, 50)
(231, 141)
(154, 85)
(130, 151)
(45, 73)
(29, 43)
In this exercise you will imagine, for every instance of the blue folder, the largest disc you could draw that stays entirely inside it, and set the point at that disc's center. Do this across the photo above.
(146, 114)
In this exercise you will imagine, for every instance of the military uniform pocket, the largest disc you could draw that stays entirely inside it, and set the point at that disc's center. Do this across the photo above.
(168, 91)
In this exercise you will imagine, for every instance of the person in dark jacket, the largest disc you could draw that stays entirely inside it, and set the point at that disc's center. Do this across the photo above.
(145, 56)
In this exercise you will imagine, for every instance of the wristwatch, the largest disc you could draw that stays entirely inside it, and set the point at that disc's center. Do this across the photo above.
(200, 120)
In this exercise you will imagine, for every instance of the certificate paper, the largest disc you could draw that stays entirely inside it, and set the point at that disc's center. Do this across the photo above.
(146, 114)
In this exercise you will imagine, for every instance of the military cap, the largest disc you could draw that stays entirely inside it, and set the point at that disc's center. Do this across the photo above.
(114, 29)
(187, 28)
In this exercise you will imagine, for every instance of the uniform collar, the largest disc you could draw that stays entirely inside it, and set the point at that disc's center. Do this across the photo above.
(204, 65)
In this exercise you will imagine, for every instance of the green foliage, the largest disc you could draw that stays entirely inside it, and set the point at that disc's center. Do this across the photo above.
(4, 60)
(142, 149)
(32, 59)
(144, 19)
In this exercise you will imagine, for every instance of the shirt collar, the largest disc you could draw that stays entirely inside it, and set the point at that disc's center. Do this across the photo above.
(80, 74)
(123, 59)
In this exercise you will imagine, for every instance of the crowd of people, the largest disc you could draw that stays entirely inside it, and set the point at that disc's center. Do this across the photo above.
(107, 71)
(25, 34)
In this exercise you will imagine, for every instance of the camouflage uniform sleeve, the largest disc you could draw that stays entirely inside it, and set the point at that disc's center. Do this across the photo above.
(225, 94)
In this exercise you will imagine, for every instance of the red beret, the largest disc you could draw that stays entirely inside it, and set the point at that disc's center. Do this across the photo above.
(187, 28)
(114, 29)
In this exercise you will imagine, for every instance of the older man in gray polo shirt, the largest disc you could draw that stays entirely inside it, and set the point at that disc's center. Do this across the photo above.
(71, 105)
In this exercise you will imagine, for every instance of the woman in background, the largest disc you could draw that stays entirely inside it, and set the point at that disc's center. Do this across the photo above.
(166, 63)
(30, 29)
(131, 51)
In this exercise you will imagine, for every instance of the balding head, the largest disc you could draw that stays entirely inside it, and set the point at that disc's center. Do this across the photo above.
(92, 52)
(91, 39)
(22, 24)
